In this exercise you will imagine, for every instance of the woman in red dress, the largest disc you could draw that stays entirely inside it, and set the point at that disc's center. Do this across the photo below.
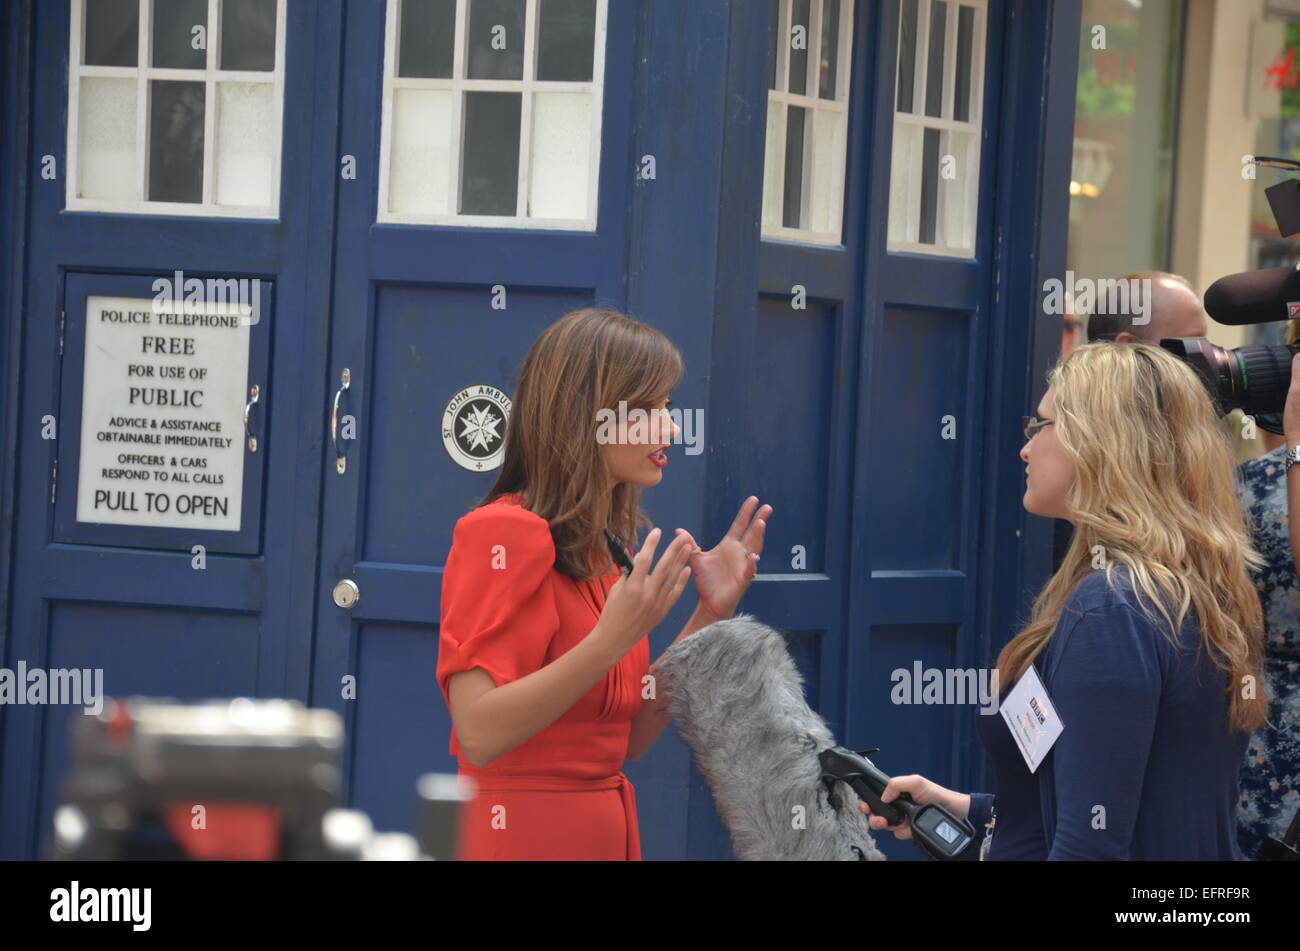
(543, 656)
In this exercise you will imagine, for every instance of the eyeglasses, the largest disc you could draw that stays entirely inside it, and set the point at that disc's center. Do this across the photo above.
(1033, 424)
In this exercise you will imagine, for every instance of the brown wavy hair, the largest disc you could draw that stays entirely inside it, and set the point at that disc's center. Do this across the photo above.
(1154, 487)
(585, 362)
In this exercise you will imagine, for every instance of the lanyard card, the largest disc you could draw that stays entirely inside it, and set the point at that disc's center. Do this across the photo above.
(1032, 719)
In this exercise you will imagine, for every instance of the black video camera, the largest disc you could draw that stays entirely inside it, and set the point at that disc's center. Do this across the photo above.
(1254, 378)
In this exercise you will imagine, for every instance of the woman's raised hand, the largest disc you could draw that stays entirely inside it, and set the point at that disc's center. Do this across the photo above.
(641, 599)
(723, 573)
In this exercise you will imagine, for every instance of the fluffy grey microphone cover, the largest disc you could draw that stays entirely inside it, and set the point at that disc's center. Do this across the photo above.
(738, 701)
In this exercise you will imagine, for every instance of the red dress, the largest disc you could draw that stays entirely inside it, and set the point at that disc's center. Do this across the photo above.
(506, 609)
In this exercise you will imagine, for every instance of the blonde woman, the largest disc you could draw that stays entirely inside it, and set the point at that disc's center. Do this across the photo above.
(1152, 660)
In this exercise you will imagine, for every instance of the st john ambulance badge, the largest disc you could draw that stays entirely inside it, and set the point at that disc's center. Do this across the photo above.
(474, 427)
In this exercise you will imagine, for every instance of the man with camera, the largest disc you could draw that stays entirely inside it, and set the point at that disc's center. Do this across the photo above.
(1173, 310)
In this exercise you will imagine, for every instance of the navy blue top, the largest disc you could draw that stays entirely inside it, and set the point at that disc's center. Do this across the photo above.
(1145, 739)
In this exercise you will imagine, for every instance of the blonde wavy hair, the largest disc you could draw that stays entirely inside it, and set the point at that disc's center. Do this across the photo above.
(1154, 487)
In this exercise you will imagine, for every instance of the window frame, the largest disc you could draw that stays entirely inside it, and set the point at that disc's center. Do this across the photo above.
(210, 76)
(973, 127)
(814, 104)
(458, 85)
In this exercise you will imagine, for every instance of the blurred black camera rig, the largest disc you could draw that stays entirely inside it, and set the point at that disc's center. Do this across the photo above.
(228, 779)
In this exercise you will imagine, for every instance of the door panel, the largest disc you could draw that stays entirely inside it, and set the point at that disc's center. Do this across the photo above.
(133, 601)
(421, 313)
(834, 412)
(916, 512)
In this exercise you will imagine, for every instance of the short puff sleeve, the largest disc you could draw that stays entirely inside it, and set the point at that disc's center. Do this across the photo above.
(498, 609)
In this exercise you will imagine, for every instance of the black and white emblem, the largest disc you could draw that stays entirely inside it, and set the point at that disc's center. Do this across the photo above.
(474, 427)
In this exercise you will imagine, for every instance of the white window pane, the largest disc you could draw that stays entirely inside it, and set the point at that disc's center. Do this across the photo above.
(106, 153)
(774, 166)
(828, 176)
(561, 146)
(518, 149)
(905, 184)
(805, 148)
(958, 196)
(420, 168)
(245, 143)
(193, 143)
(934, 186)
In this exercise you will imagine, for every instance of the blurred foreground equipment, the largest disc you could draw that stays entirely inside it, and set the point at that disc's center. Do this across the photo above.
(227, 779)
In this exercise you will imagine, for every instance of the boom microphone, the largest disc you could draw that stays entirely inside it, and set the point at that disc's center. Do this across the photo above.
(1255, 297)
(738, 701)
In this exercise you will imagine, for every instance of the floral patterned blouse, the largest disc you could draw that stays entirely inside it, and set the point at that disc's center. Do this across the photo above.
(1270, 775)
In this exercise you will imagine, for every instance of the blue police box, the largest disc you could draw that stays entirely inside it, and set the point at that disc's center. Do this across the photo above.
(839, 210)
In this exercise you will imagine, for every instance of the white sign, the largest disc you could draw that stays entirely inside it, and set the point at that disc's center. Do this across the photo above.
(1032, 718)
(162, 414)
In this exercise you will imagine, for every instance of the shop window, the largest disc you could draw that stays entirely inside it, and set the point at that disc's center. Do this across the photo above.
(938, 113)
(491, 113)
(807, 120)
(1126, 109)
(174, 106)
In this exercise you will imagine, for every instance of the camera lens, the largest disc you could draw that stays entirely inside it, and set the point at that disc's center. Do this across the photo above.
(1254, 378)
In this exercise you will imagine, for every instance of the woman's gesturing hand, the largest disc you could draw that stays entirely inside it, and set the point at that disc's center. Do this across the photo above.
(723, 573)
(641, 599)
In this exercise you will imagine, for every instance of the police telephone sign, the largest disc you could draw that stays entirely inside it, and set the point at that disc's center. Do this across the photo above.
(162, 414)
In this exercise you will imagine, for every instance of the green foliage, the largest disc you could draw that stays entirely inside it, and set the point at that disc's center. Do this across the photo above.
(1113, 95)
(1290, 87)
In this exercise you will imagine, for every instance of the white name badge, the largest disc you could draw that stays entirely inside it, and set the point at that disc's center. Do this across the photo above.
(1032, 719)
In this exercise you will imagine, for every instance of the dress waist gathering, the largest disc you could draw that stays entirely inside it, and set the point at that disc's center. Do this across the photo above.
(525, 782)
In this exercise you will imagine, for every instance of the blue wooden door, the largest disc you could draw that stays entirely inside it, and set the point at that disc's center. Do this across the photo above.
(849, 353)
(924, 384)
(139, 602)
(431, 322)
